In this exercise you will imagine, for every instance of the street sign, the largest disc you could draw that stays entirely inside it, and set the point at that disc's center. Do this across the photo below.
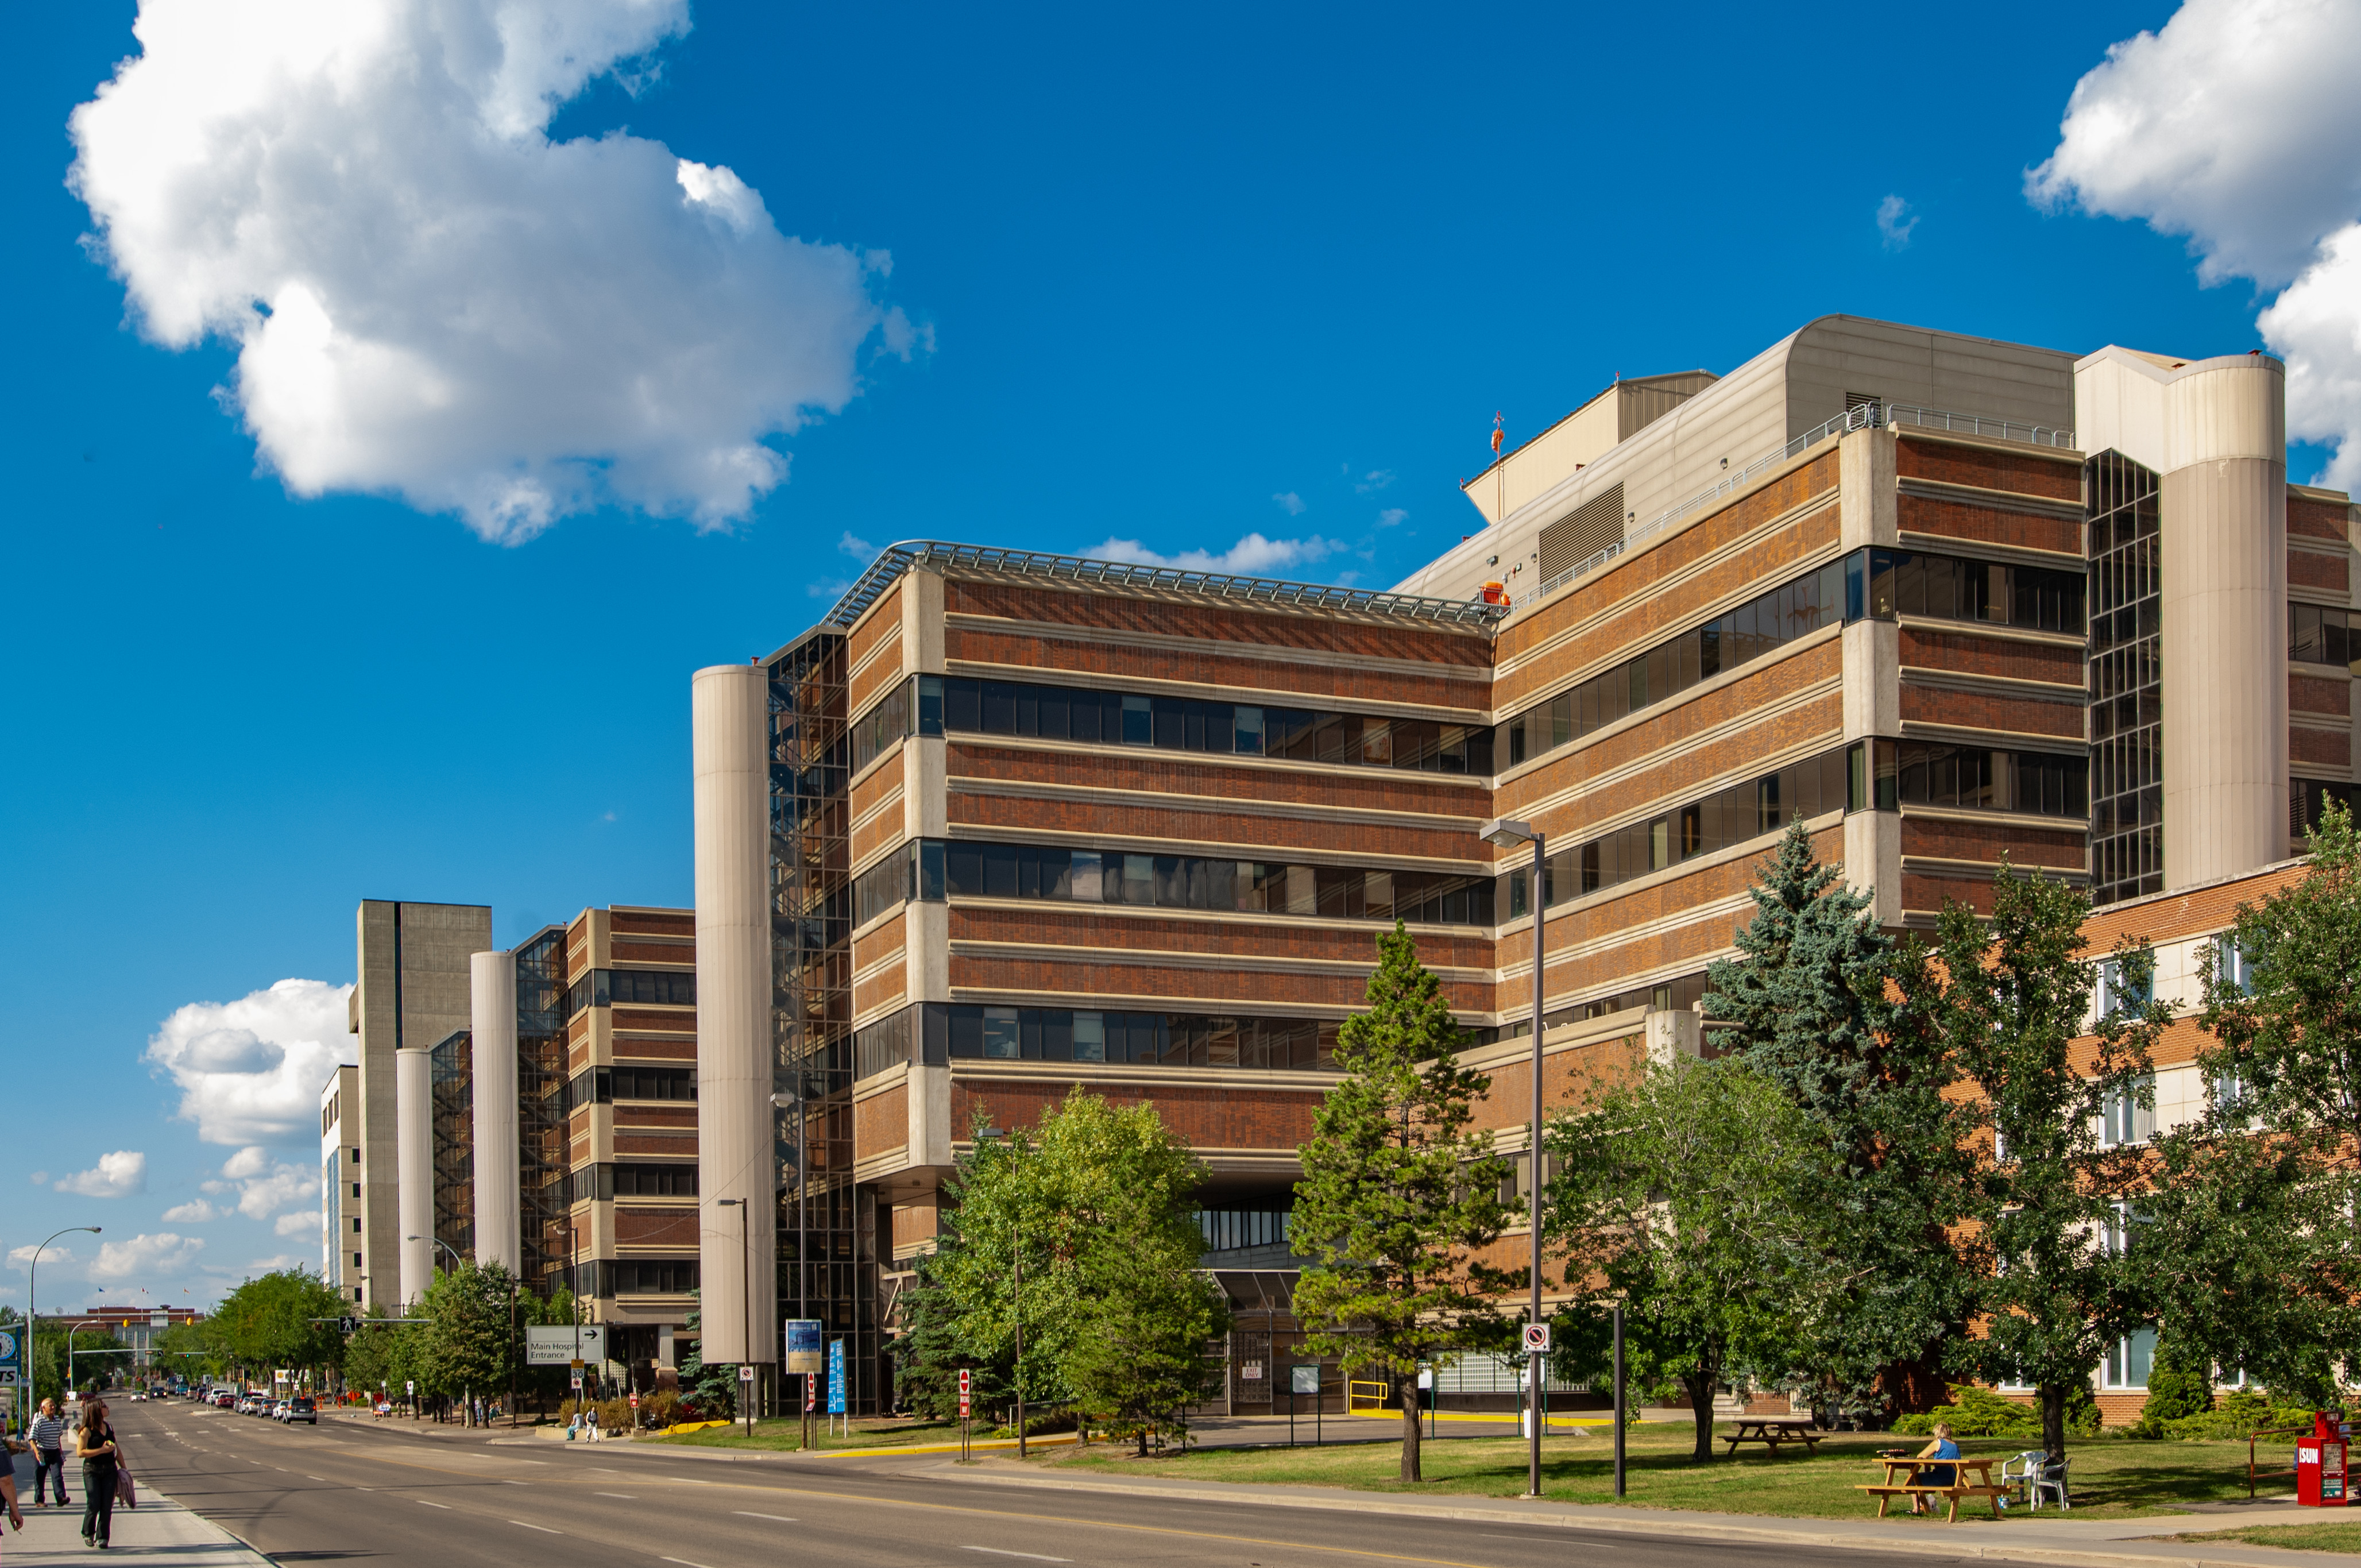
(965, 1376)
(7, 1347)
(7, 1378)
(836, 1378)
(811, 1394)
(746, 1372)
(554, 1344)
(1250, 1371)
(1307, 1379)
(348, 1325)
(410, 1386)
(635, 1401)
(1537, 1338)
(803, 1345)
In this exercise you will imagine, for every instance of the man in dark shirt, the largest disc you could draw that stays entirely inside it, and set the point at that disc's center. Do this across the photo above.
(48, 1433)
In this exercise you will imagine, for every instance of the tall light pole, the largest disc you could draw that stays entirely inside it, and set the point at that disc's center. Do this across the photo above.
(746, 1345)
(33, 1321)
(1501, 832)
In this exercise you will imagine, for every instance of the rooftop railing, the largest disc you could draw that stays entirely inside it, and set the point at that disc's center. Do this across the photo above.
(1862, 416)
(896, 560)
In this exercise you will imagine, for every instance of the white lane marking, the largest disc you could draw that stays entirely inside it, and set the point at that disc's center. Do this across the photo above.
(685, 1563)
(776, 1518)
(1036, 1556)
(1531, 1539)
(515, 1482)
(425, 1503)
(543, 1528)
(625, 1495)
(315, 1477)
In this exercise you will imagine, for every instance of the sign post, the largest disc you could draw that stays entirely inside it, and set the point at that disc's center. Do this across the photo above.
(804, 1359)
(836, 1401)
(966, 1390)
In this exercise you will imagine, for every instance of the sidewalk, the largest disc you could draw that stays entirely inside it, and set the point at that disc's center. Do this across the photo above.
(159, 1533)
(2021, 1538)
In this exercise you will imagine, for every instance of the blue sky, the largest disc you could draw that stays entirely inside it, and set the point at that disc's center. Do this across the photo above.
(1172, 277)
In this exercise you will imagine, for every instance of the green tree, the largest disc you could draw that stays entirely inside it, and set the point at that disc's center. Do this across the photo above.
(1098, 1205)
(467, 1346)
(710, 1391)
(1399, 1195)
(2053, 1208)
(1807, 1003)
(285, 1319)
(2258, 1245)
(53, 1339)
(1695, 1196)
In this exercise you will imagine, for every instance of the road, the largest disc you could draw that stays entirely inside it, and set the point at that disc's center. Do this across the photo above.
(367, 1491)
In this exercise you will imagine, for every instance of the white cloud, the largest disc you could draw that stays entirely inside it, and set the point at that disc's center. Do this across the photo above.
(858, 549)
(429, 298)
(252, 1070)
(40, 1178)
(295, 1224)
(116, 1175)
(1892, 227)
(2238, 125)
(1250, 556)
(1392, 517)
(1289, 502)
(22, 1256)
(278, 1261)
(151, 1257)
(196, 1211)
(263, 1186)
(1374, 481)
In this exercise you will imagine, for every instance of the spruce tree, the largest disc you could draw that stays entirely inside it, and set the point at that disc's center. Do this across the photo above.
(1399, 1195)
(1807, 1003)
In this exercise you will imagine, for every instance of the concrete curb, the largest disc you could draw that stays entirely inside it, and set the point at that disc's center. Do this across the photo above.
(1687, 1526)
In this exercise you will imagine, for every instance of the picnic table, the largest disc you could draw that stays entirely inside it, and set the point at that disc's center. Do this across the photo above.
(1774, 1431)
(1910, 1469)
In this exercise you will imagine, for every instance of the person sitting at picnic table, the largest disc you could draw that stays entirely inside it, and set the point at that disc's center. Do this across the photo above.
(1935, 1475)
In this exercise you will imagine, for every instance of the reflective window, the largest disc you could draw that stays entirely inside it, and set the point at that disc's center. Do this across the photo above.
(1975, 778)
(935, 1032)
(2127, 774)
(2320, 634)
(1883, 583)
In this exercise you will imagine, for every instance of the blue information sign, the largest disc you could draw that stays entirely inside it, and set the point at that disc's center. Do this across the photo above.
(836, 1378)
(803, 1345)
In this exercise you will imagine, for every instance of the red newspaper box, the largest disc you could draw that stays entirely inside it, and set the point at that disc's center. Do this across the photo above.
(2320, 1477)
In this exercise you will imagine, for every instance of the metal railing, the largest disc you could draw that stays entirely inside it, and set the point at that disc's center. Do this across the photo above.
(1864, 416)
(896, 560)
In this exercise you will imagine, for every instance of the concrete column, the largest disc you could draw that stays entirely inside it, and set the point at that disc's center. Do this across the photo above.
(491, 992)
(729, 718)
(413, 1113)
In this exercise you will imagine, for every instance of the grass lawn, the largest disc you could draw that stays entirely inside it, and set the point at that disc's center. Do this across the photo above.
(2113, 1477)
(786, 1435)
(2302, 1536)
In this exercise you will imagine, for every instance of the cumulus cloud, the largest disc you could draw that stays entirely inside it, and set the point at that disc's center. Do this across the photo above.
(429, 296)
(2236, 125)
(1250, 556)
(251, 1070)
(858, 548)
(1289, 502)
(1376, 479)
(295, 1224)
(22, 1256)
(263, 1186)
(1895, 222)
(116, 1175)
(150, 1256)
(1392, 517)
(196, 1211)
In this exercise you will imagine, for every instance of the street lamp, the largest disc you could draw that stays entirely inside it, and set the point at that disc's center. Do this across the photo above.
(33, 1319)
(438, 1241)
(1502, 832)
(746, 1343)
(790, 1101)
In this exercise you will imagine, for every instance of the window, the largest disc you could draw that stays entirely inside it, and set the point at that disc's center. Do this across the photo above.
(654, 1180)
(2122, 1119)
(956, 1030)
(2121, 1228)
(646, 1277)
(958, 705)
(1884, 584)
(2120, 993)
(971, 870)
(1976, 779)
(2130, 1359)
(603, 1085)
(661, 988)
(1785, 613)
(2306, 798)
(1229, 1230)
(2124, 680)
(2233, 969)
(2320, 634)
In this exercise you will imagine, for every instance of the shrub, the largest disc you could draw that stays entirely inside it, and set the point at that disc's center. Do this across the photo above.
(1976, 1411)
(2236, 1416)
(661, 1409)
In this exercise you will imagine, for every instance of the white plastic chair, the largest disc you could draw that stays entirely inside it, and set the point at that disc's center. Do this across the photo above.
(2021, 1470)
(2049, 1477)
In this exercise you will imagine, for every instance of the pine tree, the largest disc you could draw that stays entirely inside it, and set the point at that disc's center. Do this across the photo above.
(1399, 1195)
(712, 1390)
(1807, 1003)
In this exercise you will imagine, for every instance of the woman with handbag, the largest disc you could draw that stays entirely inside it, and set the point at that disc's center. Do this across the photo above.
(100, 1461)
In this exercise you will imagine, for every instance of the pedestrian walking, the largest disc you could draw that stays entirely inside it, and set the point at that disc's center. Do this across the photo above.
(48, 1433)
(94, 1444)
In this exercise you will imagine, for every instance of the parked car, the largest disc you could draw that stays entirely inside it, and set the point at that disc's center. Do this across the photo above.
(224, 1400)
(304, 1410)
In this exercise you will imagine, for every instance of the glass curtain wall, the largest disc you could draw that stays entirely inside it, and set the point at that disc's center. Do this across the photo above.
(827, 1226)
(2127, 693)
(450, 1072)
(540, 1107)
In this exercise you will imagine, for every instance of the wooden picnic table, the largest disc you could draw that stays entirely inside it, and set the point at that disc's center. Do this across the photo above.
(1911, 1486)
(1773, 1431)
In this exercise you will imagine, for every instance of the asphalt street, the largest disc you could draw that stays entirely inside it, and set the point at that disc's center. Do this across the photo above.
(358, 1492)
